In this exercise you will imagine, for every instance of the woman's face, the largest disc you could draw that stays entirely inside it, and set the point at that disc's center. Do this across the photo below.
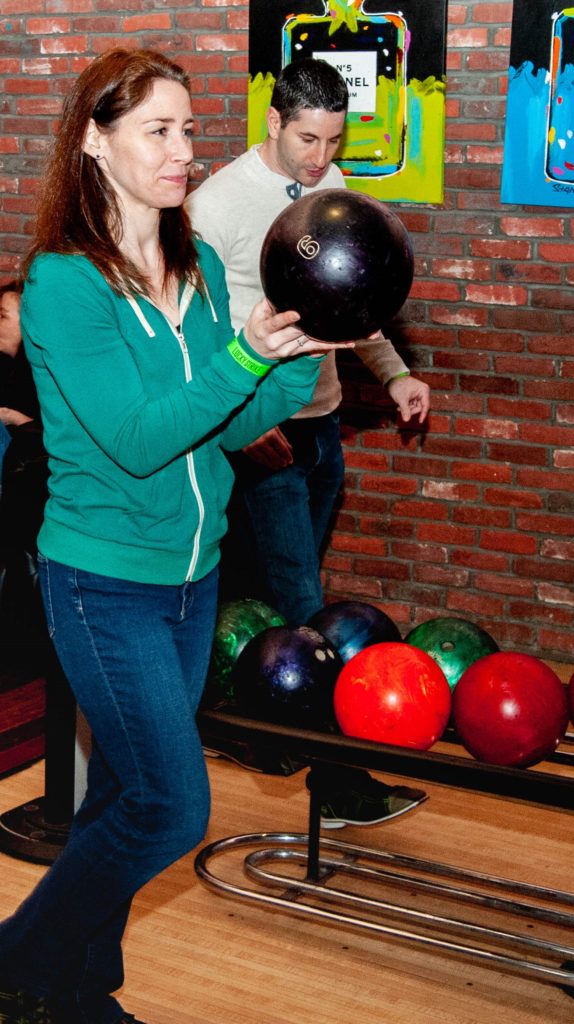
(10, 333)
(147, 156)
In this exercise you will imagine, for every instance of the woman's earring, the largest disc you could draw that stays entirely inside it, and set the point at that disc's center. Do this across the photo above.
(98, 156)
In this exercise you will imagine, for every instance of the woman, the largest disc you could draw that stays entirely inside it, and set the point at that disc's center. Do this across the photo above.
(142, 387)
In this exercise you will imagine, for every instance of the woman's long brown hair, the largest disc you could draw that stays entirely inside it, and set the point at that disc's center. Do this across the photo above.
(78, 211)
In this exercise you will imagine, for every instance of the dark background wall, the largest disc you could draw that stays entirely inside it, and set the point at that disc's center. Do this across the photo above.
(472, 516)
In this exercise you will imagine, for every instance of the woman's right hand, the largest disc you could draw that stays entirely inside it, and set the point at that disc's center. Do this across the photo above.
(277, 336)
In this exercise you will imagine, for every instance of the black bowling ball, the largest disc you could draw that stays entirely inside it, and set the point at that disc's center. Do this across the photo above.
(288, 675)
(341, 259)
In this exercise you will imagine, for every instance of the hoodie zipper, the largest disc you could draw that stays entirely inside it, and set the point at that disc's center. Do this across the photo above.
(187, 296)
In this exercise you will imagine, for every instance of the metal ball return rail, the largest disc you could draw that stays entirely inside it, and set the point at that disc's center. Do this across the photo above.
(358, 886)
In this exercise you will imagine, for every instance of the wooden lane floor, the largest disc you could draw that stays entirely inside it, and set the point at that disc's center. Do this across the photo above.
(195, 957)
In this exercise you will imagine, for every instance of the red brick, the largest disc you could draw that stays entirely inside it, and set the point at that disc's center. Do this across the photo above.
(64, 44)
(466, 38)
(77, 6)
(420, 552)
(500, 249)
(464, 603)
(524, 319)
(544, 524)
(222, 41)
(518, 408)
(491, 13)
(484, 427)
(463, 269)
(436, 290)
(20, 7)
(146, 22)
(497, 294)
(511, 585)
(46, 26)
(479, 132)
(552, 548)
(563, 459)
(487, 60)
(478, 515)
(199, 19)
(531, 273)
(524, 366)
(513, 543)
(558, 253)
(462, 316)
(442, 577)
(484, 154)
(238, 21)
(532, 227)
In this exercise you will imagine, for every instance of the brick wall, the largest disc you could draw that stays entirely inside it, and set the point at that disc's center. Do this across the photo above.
(472, 516)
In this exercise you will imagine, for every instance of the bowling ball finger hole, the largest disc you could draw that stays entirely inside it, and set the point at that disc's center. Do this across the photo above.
(447, 645)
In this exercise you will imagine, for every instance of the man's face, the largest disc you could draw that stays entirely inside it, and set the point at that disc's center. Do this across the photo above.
(304, 149)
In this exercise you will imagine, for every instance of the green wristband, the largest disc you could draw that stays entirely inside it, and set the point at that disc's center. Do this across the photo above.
(405, 373)
(246, 361)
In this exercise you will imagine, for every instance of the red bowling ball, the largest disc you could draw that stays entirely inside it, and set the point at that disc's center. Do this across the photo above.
(510, 709)
(393, 693)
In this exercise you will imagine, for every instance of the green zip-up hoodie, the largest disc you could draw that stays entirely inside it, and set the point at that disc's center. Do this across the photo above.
(137, 416)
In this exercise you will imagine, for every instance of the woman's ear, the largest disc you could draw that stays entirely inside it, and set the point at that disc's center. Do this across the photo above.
(92, 140)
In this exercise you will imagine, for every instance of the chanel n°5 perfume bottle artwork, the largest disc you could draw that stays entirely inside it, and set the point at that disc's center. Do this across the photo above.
(369, 50)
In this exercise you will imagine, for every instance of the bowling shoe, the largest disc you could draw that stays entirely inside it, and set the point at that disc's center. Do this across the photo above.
(19, 1007)
(356, 798)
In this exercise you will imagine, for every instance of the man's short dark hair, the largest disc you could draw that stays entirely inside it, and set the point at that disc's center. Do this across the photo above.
(309, 85)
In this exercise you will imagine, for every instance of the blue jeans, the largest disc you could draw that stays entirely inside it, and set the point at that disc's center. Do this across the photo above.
(289, 512)
(136, 656)
(5, 438)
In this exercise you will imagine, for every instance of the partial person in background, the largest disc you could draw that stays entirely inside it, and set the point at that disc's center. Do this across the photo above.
(18, 399)
(143, 387)
(22, 495)
(288, 480)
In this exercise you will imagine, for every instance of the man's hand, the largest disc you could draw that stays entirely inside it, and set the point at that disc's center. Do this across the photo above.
(13, 418)
(271, 450)
(412, 397)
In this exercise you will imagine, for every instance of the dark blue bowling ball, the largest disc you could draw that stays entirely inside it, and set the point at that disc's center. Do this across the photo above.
(288, 675)
(353, 625)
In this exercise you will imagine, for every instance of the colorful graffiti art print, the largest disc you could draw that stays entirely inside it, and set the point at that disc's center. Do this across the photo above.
(538, 164)
(394, 64)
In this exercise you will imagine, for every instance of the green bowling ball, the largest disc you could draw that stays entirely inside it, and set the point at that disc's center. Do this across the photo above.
(453, 643)
(237, 623)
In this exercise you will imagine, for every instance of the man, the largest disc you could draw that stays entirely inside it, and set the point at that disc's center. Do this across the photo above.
(289, 479)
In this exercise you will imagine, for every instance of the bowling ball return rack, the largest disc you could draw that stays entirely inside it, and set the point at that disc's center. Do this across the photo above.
(356, 886)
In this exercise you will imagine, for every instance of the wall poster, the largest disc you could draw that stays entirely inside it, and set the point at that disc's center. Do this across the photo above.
(394, 63)
(538, 166)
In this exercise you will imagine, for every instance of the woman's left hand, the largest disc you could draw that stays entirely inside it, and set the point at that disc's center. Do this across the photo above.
(277, 336)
